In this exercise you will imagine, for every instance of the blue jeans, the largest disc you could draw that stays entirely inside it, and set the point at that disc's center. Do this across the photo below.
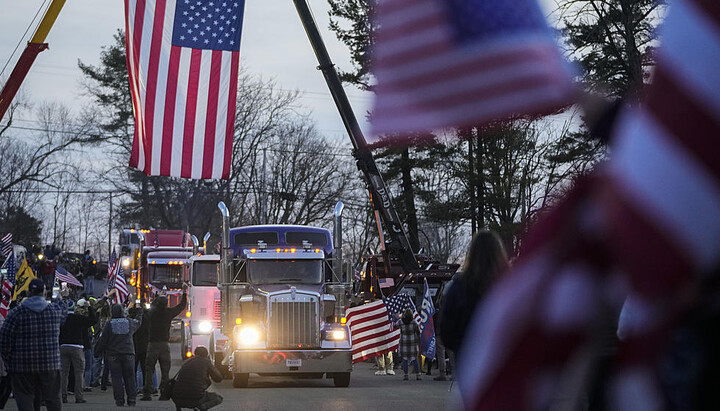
(122, 371)
(415, 364)
(89, 366)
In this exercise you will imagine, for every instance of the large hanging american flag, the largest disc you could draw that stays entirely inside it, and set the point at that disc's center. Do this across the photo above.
(182, 58)
(441, 63)
(370, 331)
(649, 220)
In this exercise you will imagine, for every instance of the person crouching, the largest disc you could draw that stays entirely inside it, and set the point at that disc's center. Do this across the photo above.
(116, 343)
(193, 380)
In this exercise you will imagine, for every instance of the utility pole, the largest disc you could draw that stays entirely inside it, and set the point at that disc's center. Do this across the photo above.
(110, 228)
(263, 190)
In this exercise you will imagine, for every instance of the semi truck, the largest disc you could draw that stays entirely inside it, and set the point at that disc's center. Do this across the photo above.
(282, 303)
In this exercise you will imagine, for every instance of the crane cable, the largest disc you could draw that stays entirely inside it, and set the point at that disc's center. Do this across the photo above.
(25, 34)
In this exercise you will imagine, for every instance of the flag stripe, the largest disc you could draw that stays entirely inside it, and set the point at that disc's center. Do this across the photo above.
(686, 119)
(132, 42)
(190, 111)
(155, 82)
(230, 125)
(210, 124)
(178, 147)
(170, 102)
(686, 57)
(659, 176)
(201, 113)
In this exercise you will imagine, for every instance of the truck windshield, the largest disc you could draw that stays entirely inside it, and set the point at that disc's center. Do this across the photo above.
(204, 273)
(285, 271)
(170, 275)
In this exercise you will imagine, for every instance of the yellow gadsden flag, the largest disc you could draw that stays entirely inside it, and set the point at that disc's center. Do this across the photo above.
(22, 278)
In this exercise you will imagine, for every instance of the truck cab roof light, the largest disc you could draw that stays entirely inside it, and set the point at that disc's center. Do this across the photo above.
(278, 250)
(253, 251)
(292, 250)
(317, 250)
(188, 314)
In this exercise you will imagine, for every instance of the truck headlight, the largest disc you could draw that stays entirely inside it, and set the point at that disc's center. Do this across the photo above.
(248, 335)
(205, 326)
(126, 262)
(335, 335)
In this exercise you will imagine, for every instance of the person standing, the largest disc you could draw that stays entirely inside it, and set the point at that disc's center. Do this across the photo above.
(409, 349)
(116, 343)
(141, 338)
(30, 347)
(72, 350)
(160, 316)
(193, 380)
(485, 262)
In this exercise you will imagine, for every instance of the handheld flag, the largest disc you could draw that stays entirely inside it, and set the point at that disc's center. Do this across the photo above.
(22, 278)
(6, 246)
(183, 59)
(648, 219)
(442, 63)
(8, 282)
(370, 331)
(116, 280)
(62, 275)
(427, 325)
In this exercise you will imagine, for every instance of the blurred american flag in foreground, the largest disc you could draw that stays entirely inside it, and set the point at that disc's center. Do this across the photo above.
(442, 63)
(647, 223)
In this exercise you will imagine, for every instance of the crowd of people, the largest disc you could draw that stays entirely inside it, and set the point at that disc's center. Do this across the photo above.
(52, 349)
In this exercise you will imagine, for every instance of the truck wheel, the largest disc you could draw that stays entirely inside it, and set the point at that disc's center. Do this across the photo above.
(341, 379)
(240, 380)
(224, 369)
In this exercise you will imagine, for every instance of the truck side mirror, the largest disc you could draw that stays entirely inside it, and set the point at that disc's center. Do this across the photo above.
(329, 302)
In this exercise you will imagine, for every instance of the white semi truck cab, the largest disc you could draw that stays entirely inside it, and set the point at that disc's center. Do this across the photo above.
(202, 316)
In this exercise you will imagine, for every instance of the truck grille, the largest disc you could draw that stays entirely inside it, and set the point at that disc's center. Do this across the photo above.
(294, 324)
(217, 309)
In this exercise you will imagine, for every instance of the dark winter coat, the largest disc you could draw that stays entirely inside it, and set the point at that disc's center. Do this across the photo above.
(75, 329)
(193, 379)
(117, 335)
(160, 316)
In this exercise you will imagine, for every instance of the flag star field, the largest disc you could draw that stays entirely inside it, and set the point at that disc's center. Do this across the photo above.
(210, 25)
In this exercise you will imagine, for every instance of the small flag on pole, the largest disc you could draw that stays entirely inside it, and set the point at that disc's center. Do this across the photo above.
(62, 275)
(370, 331)
(183, 59)
(6, 246)
(22, 278)
(8, 282)
(116, 280)
(445, 63)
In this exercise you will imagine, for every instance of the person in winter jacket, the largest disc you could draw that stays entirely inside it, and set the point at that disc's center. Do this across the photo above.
(141, 337)
(29, 345)
(116, 343)
(409, 348)
(485, 262)
(160, 316)
(72, 351)
(193, 380)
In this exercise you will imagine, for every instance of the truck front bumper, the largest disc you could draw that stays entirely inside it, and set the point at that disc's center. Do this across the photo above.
(291, 362)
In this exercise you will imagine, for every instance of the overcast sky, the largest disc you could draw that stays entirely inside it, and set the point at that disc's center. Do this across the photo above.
(274, 45)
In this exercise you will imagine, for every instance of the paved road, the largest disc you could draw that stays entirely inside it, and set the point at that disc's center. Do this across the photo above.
(366, 392)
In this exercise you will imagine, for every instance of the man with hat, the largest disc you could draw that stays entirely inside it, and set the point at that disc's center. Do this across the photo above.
(29, 345)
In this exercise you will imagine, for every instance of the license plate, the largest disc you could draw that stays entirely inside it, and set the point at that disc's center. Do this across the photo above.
(293, 363)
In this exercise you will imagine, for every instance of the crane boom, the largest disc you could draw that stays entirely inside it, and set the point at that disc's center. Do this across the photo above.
(398, 242)
(27, 58)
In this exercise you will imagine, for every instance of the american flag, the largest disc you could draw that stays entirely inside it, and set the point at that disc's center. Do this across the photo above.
(396, 306)
(386, 282)
(62, 275)
(370, 331)
(441, 63)
(648, 219)
(6, 244)
(8, 282)
(183, 58)
(116, 280)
